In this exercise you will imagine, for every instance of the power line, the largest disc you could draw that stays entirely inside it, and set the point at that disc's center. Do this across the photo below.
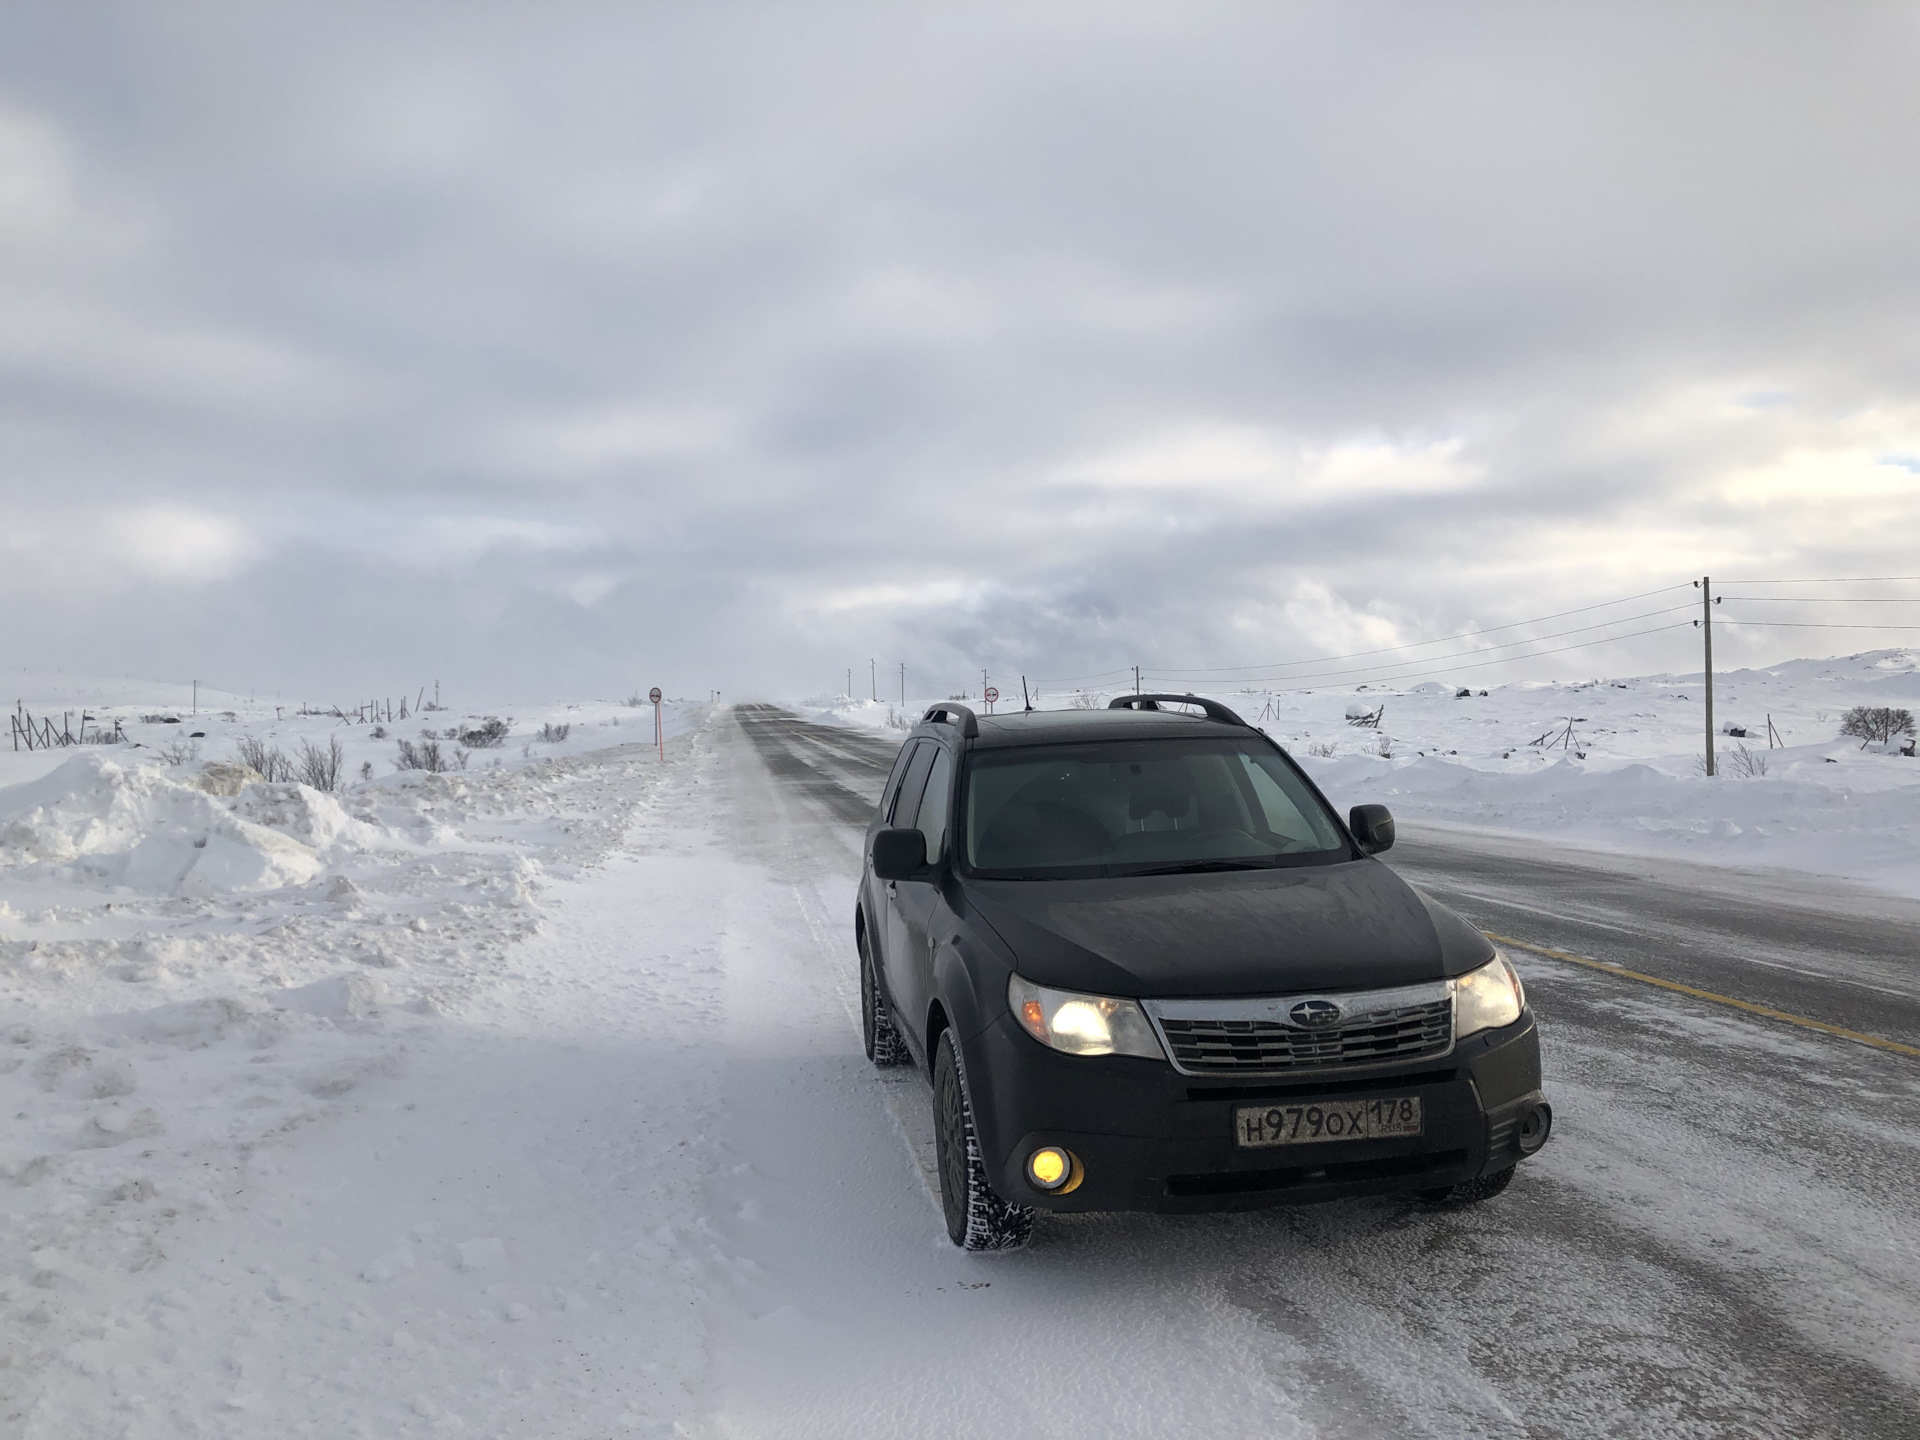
(1830, 580)
(1829, 599)
(1096, 675)
(1441, 640)
(1506, 645)
(1509, 659)
(1810, 625)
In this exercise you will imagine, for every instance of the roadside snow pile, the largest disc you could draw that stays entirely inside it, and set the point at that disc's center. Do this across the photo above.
(862, 714)
(1617, 764)
(195, 963)
(98, 821)
(1792, 818)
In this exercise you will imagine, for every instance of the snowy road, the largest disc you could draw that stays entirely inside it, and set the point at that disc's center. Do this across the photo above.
(635, 1178)
(1812, 946)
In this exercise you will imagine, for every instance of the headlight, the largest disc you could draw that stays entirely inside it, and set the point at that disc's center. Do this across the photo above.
(1487, 998)
(1082, 1024)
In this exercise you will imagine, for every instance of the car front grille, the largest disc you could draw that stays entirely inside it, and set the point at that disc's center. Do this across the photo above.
(1214, 1046)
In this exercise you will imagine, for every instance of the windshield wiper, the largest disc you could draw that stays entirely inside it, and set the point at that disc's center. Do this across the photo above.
(1203, 867)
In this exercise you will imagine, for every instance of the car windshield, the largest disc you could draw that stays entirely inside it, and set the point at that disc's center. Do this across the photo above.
(1142, 807)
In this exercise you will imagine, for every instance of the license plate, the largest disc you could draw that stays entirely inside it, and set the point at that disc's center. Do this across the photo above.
(1255, 1126)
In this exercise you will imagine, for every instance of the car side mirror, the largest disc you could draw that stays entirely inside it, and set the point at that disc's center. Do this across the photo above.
(1372, 826)
(899, 854)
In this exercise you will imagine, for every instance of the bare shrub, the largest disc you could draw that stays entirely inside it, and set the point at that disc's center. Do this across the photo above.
(379, 732)
(460, 758)
(1747, 764)
(178, 752)
(366, 770)
(423, 756)
(555, 732)
(1383, 747)
(1876, 724)
(322, 769)
(1084, 700)
(489, 734)
(270, 761)
(1320, 749)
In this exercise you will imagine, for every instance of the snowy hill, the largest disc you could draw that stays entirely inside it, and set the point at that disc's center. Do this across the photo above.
(1614, 763)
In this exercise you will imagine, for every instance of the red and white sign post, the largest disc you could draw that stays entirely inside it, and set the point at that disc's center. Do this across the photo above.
(993, 694)
(659, 732)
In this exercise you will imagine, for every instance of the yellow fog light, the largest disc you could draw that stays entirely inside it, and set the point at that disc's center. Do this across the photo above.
(1051, 1168)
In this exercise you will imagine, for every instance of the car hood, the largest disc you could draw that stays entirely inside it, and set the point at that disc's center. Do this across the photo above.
(1349, 926)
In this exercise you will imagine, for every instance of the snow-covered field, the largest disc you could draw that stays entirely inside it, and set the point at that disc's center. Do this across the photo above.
(1617, 763)
(526, 1099)
(194, 968)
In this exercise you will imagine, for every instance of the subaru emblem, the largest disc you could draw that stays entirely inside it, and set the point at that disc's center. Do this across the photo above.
(1312, 1014)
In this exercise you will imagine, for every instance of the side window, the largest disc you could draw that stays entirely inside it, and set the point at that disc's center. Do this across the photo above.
(891, 794)
(906, 805)
(933, 804)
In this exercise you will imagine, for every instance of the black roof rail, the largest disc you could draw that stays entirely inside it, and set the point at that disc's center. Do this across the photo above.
(1215, 710)
(954, 714)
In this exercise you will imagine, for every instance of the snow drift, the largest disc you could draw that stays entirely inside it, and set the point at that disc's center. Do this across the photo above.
(104, 822)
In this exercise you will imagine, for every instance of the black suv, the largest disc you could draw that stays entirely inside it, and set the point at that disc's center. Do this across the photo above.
(1147, 968)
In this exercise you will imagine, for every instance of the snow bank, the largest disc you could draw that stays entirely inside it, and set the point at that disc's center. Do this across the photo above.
(864, 714)
(196, 963)
(1809, 812)
(136, 827)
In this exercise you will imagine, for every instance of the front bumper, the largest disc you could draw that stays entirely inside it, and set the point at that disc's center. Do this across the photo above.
(1150, 1138)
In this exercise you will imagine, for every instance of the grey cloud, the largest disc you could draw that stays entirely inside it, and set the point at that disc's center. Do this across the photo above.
(540, 346)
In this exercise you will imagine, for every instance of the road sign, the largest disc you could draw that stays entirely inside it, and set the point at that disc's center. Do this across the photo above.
(993, 693)
(654, 694)
(659, 731)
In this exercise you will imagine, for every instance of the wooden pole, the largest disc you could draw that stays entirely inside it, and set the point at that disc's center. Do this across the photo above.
(1706, 628)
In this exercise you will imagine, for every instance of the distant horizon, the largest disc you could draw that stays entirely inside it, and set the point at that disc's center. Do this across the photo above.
(210, 690)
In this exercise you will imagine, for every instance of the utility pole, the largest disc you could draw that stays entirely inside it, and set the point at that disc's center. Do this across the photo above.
(1706, 629)
(1136, 679)
(196, 697)
(848, 692)
(873, 678)
(903, 684)
(983, 685)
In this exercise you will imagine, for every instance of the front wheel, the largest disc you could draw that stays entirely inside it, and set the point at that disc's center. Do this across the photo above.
(1469, 1192)
(977, 1219)
(882, 1038)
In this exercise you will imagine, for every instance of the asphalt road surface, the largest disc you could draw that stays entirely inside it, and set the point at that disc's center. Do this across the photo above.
(1723, 1237)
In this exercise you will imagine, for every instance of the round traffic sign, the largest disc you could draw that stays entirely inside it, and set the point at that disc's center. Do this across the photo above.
(654, 694)
(993, 693)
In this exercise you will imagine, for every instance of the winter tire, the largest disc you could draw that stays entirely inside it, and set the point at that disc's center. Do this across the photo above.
(1469, 1192)
(885, 1047)
(977, 1219)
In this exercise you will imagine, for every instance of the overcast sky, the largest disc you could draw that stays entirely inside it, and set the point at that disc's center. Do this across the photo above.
(568, 348)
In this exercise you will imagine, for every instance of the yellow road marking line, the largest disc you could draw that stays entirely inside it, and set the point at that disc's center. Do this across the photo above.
(1878, 1042)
